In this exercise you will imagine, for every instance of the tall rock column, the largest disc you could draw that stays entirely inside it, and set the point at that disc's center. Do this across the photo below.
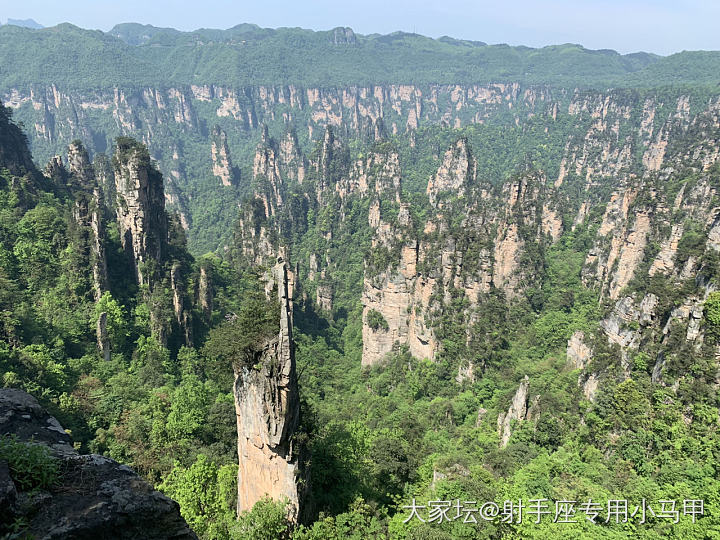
(267, 406)
(140, 206)
(205, 294)
(88, 213)
(150, 237)
(220, 152)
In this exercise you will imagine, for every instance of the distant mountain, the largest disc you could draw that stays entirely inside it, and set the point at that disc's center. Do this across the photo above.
(138, 55)
(171, 88)
(25, 23)
(138, 34)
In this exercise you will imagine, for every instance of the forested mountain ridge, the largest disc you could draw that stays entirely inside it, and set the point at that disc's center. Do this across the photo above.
(488, 292)
(235, 81)
(561, 294)
(249, 54)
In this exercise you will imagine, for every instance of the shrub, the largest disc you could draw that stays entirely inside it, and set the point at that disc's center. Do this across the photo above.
(376, 321)
(31, 465)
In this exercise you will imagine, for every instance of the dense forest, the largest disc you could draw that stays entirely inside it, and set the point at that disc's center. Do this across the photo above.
(506, 321)
(180, 93)
(247, 53)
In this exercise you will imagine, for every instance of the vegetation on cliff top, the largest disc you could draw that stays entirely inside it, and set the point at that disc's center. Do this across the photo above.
(379, 437)
(248, 55)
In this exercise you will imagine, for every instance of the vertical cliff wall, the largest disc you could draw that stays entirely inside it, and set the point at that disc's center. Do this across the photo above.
(140, 207)
(267, 406)
(88, 213)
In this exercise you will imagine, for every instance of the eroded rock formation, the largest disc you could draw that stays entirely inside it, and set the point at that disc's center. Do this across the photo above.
(521, 409)
(96, 497)
(456, 171)
(267, 406)
(88, 213)
(221, 162)
(140, 207)
(475, 242)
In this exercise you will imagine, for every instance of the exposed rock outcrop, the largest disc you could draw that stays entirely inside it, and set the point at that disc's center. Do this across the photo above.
(140, 207)
(329, 166)
(221, 162)
(96, 496)
(152, 239)
(456, 171)
(291, 159)
(343, 36)
(88, 214)
(182, 316)
(609, 131)
(324, 297)
(205, 293)
(398, 294)
(267, 406)
(376, 173)
(578, 352)
(56, 171)
(274, 165)
(103, 340)
(469, 247)
(520, 410)
(79, 165)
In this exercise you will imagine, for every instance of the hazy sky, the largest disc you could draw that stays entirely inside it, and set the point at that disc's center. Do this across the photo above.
(659, 26)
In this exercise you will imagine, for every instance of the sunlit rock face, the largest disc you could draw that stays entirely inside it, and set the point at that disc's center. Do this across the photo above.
(267, 406)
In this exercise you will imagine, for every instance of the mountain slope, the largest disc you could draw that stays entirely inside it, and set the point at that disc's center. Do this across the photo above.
(501, 292)
(246, 54)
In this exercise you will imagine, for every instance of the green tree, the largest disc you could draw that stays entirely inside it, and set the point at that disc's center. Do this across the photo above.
(241, 335)
(202, 492)
(117, 325)
(712, 314)
(376, 321)
(189, 409)
(268, 520)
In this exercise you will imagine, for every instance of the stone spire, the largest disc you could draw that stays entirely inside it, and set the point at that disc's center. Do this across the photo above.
(267, 406)
(222, 162)
(140, 206)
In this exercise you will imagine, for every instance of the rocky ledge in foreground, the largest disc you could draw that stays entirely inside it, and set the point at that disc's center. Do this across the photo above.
(91, 496)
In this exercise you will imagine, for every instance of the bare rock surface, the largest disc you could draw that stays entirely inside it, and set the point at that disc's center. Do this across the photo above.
(95, 497)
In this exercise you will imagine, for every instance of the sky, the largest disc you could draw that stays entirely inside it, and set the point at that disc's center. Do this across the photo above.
(658, 26)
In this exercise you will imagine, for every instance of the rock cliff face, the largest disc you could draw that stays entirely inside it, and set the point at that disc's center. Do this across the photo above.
(89, 215)
(292, 161)
(378, 173)
(520, 409)
(61, 115)
(477, 241)
(457, 170)
(267, 406)
(481, 238)
(221, 163)
(398, 293)
(140, 207)
(96, 497)
(613, 134)
(640, 226)
(168, 121)
(656, 234)
(146, 234)
(205, 294)
(87, 233)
